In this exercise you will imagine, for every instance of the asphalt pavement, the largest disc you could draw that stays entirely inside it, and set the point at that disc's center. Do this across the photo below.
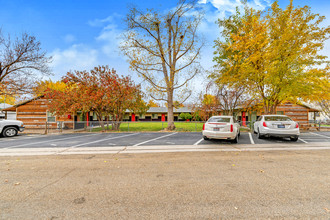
(147, 139)
(194, 185)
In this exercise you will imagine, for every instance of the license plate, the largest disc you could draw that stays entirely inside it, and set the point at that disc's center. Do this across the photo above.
(281, 126)
(216, 129)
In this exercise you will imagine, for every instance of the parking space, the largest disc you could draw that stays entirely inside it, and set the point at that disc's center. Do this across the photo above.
(147, 139)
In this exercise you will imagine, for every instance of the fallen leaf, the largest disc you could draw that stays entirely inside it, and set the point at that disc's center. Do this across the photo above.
(6, 181)
(233, 165)
(18, 183)
(236, 208)
(105, 161)
(261, 171)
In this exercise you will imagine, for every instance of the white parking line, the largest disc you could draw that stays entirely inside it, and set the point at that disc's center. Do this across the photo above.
(40, 142)
(154, 139)
(303, 140)
(251, 139)
(320, 135)
(198, 141)
(105, 139)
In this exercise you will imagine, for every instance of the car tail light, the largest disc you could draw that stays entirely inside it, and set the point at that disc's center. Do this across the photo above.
(231, 128)
(297, 125)
(203, 127)
(264, 124)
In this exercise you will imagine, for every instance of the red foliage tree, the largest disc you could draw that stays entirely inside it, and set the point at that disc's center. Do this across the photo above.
(100, 90)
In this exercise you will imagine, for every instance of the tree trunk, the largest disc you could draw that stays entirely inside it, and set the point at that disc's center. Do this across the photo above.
(100, 119)
(270, 108)
(170, 115)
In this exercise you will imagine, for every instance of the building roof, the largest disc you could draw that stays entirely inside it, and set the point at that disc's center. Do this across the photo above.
(4, 105)
(13, 108)
(164, 110)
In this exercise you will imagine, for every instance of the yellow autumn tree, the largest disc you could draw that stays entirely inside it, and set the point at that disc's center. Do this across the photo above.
(274, 53)
(8, 99)
(43, 87)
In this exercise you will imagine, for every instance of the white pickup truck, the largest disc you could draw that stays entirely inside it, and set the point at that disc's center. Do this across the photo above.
(10, 128)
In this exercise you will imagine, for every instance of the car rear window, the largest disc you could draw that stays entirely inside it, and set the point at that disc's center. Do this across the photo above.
(277, 118)
(227, 120)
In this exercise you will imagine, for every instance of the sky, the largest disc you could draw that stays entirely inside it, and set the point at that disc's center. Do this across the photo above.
(81, 34)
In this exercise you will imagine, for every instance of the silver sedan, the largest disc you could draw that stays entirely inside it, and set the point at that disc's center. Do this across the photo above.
(278, 126)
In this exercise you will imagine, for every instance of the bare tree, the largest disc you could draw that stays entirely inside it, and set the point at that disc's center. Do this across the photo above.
(325, 107)
(20, 62)
(163, 48)
(230, 98)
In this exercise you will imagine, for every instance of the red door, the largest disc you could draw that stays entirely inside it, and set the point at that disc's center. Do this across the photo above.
(133, 117)
(163, 117)
(244, 118)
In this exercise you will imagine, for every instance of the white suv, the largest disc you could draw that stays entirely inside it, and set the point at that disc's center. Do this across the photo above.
(10, 128)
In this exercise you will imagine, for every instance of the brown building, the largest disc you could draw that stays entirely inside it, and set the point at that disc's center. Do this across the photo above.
(34, 114)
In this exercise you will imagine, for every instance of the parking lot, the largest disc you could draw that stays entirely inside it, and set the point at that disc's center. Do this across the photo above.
(81, 140)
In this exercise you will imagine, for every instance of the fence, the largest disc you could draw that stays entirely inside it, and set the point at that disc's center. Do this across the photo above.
(141, 126)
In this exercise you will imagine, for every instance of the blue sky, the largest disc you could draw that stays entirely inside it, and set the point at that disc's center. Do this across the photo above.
(81, 34)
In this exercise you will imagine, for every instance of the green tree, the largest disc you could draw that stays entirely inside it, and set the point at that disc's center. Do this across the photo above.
(275, 54)
(185, 116)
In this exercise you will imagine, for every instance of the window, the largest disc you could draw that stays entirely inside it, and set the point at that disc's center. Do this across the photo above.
(277, 118)
(219, 119)
(280, 113)
(154, 116)
(142, 116)
(126, 117)
(51, 117)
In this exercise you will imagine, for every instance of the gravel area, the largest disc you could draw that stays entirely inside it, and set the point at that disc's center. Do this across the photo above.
(201, 185)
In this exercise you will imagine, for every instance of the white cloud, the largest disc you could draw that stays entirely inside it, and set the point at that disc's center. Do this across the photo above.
(103, 50)
(76, 57)
(110, 40)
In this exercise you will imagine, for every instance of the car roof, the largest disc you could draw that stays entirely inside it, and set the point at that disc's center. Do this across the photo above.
(221, 116)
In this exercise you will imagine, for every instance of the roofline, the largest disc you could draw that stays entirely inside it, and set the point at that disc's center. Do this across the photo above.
(13, 108)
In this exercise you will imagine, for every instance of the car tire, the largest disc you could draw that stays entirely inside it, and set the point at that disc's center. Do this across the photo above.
(205, 138)
(293, 138)
(235, 141)
(9, 132)
(260, 136)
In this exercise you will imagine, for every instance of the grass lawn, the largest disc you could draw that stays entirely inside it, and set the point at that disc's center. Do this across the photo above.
(159, 126)
(156, 126)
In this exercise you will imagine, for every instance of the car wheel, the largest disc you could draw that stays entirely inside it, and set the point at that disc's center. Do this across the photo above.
(205, 138)
(235, 141)
(293, 138)
(10, 132)
(259, 135)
